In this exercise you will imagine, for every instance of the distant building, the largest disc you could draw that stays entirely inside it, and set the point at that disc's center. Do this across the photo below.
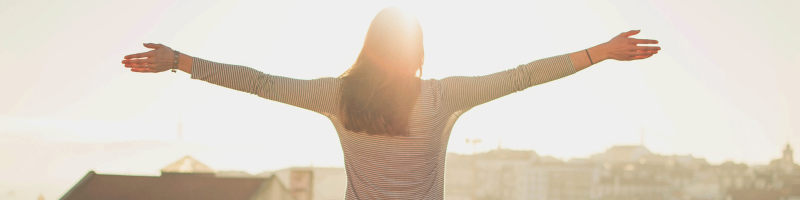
(184, 179)
(562, 181)
(634, 181)
(787, 162)
(458, 177)
(620, 173)
(621, 154)
(629, 189)
(502, 174)
(327, 183)
(733, 176)
(704, 184)
(516, 174)
(187, 165)
(780, 180)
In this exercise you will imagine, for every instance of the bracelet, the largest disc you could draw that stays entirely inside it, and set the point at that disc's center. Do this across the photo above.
(175, 62)
(590, 57)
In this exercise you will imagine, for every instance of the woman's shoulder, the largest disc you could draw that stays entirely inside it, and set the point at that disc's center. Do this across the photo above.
(328, 80)
(430, 87)
(431, 82)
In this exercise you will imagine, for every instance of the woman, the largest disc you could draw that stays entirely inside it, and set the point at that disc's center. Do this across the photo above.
(393, 126)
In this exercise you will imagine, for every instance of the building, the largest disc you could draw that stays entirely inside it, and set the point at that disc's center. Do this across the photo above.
(621, 154)
(562, 181)
(704, 185)
(787, 162)
(780, 180)
(458, 177)
(620, 173)
(515, 174)
(625, 181)
(619, 188)
(184, 179)
(502, 174)
(327, 183)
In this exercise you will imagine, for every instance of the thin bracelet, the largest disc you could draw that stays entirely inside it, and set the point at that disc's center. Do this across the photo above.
(590, 57)
(175, 62)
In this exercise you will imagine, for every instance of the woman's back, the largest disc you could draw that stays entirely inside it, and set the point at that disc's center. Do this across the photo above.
(400, 167)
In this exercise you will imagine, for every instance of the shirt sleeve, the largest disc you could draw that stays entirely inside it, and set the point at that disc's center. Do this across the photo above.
(461, 93)
(318, 95)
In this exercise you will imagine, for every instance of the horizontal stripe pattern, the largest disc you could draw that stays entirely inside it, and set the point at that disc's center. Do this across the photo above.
(386, 167)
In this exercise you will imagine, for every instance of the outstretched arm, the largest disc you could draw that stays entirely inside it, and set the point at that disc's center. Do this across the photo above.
(461, 93)
(318, 95)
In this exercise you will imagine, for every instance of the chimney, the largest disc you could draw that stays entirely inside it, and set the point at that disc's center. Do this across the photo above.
(301, 184)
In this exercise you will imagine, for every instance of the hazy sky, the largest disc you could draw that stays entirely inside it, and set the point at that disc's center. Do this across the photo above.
(722, 88)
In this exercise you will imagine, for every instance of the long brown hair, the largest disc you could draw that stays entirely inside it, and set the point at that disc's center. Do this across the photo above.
(379, 90)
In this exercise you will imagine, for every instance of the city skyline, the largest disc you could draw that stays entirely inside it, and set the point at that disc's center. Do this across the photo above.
(142, 158)
(226, 158)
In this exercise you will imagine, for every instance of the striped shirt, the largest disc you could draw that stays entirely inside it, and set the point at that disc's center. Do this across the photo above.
(386, 167)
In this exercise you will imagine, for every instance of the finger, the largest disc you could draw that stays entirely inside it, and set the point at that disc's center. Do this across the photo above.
(652, 51)
(643, 41)
(634, 53)
(149, 66)
(640, 52)
(153, 46)
(143, 70)
(630, 33)
(140, 65)
(139, 55)
(642, 57)
(646, 48)
(139, 61)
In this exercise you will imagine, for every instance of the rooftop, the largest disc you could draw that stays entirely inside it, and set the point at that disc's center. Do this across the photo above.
(104, 186)
(187, 165)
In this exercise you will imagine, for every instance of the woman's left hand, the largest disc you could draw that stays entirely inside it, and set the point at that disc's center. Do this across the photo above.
(624, 48)
(159, 59)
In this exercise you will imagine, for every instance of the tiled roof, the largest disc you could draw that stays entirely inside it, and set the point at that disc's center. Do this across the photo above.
(101, 186)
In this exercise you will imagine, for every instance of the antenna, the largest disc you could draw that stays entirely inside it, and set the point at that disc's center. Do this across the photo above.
(474, 142)
(499, 143)
(641, 138)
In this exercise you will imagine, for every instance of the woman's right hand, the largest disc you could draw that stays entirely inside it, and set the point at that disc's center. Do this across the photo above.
(159, 59)
(624, 48)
